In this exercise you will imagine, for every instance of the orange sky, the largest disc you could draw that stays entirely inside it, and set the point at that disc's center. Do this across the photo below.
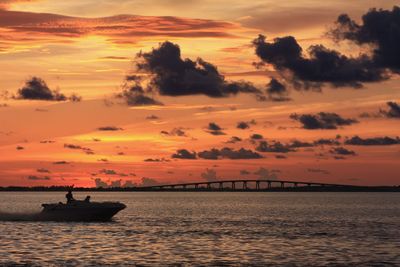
(87, 48)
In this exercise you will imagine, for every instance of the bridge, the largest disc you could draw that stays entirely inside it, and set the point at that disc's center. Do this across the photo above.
(249, 185)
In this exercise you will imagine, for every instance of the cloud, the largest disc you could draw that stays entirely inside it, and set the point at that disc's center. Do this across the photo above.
(374, 141)
(134, 94)
(6, 3)
(38, 178)
(380, 30)
(156, 160)
(342, 151)
(322, 120)
(242, 125)
(87, 150)
(265, 174)
(184, 154)
(37, 89)
(214, 129)
(324, 141)
(60, 162)
(109, 128)
(277, 91)
(178, 131)
(245, 124)
(256, 137)
(233, 140)
(322, 66)
(22, 28)
(276, 147)
(393, 112)
(209, 175)
(171, 75)
(299, 144)
(229, 153)
(152, 117)
(42, 170)
(108, 172)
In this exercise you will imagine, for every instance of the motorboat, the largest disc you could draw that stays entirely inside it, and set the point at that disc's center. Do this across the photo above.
(80, 210)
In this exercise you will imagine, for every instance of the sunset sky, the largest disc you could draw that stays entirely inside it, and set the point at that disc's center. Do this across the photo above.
(170, 91)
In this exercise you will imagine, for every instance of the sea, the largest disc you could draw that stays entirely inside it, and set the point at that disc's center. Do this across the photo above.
(207, 229)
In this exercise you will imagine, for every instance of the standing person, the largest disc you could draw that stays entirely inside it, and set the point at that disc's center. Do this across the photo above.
(69, 196)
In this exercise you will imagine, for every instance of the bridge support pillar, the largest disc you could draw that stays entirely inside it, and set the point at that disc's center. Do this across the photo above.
(233, 185)
(269, 184)
(282, 185)
(258, 185)
(221, 185)
(208, 186)
(244, 185)
(196, 186)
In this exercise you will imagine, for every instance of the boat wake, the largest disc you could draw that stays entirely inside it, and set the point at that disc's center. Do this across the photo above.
(20, 217)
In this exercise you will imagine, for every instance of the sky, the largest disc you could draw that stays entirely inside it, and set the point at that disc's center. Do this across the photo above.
(132, 92)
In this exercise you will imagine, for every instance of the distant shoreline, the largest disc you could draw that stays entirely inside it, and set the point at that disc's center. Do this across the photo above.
(138, 189)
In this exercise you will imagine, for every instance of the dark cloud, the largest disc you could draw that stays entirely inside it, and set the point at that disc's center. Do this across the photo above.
(20, 148)
(178, 131)
(173, 76)
(42, 170)
(322, 66)
(108, 172)
(299, 144)
(184, 154)
(60, 162)
(277, 91)
(209, 175)
(109, 128)
(38, 178)
(322, 120)
(157, 160)
(256, 137)
(36, 89)
(380, 29)
(242, 125)
(134, 94)
(245, 124)
(215, 129)
(87, 150)
(152, 117)
(393, 112)
(342, 151)
(276, 147)
(374, 141)
(229, 153)
(233, 140)
(280, 157)
(324, 141)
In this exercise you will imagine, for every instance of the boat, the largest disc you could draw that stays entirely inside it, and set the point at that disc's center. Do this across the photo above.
(80, 210)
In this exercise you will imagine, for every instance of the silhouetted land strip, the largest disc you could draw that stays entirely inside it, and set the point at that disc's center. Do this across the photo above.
(225, 186)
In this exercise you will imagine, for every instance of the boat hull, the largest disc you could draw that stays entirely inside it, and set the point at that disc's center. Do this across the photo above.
(80, 211)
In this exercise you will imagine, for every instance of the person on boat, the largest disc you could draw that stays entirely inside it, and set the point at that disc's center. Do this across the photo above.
(69, 196)
(87, 199)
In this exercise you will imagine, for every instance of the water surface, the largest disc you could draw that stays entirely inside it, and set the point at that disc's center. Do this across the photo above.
(207, 228)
